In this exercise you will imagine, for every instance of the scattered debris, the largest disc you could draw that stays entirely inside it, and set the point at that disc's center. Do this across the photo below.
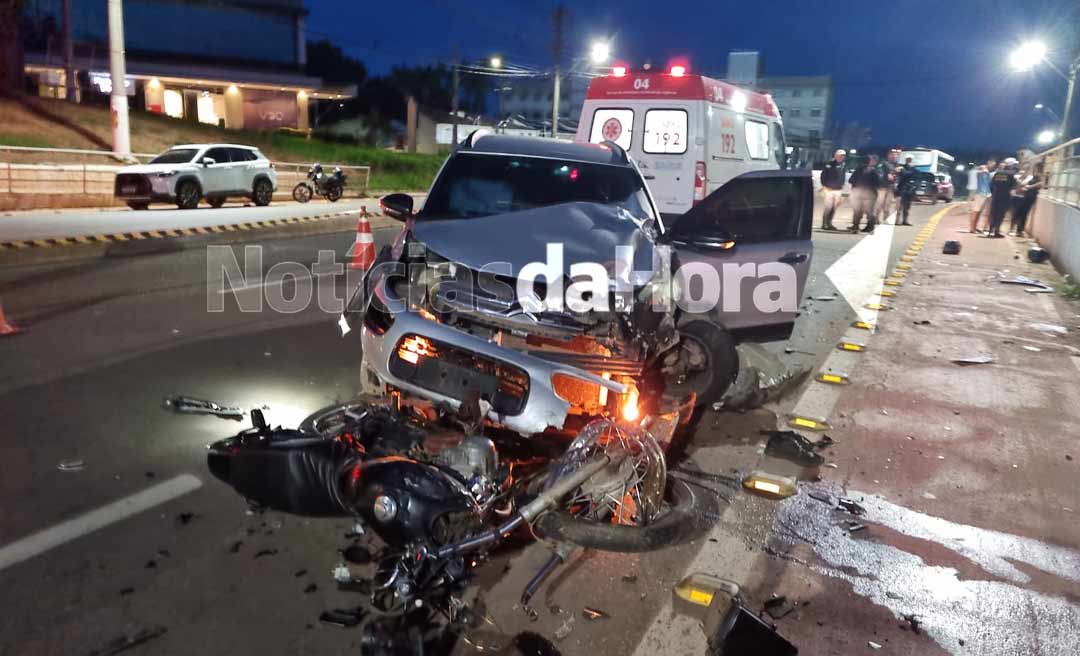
(1037, 255)
(185, 518)
(150, 474)
(554, 609)
(300, 572)
(193, 406)
(853, 526)
(566, 629)
(831, 465)
(873, 645)
(126, 591)
(342, 618)
(792, 446)
(357, 554)
(632, 578)
(823, 298)
(235, 548)
(928, 495)
(820, 496)
(356, 531)
(264, 552)
(778, 607)
(1049, 328)
(311, 587)
(125, 642)
(164, 553)
(71, 465)
(950, 247)
(532, 613)
(912, 622)
(850, 506)
(151, 564)
(824, 443)
(974, 359)
(1033, 349)
(1033, 285)
(342, 574)
(593, 613)
(762, 378)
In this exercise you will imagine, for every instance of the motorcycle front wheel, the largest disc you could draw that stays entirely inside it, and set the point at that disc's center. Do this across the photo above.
(301, 193)
(333, 194)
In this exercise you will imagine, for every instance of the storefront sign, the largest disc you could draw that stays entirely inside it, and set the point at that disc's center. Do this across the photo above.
(269, 109)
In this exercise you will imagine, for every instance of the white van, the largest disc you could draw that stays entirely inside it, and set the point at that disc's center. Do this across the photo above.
(689, 134)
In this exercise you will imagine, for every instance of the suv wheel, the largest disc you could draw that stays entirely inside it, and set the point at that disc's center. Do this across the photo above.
(262, 192)
(705, 362)
(187, 195)
(216, 202)
(138, 206)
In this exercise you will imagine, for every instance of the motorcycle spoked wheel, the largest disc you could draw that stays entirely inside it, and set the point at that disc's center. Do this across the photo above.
(302, 192)
(628, 506)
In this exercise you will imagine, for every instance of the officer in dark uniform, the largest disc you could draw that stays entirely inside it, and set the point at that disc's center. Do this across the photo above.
(1002, 183)
(906, 182)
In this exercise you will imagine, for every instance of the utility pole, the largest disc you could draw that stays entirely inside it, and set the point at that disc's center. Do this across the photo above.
(118, 100)
(1069, 97)
(454, 101)
(69, 50)
(560, 16)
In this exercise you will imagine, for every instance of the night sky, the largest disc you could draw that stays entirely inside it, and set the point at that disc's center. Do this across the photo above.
(916, 71)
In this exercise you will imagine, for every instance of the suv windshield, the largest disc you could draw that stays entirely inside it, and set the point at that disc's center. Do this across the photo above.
(474, 185)
(175, 156)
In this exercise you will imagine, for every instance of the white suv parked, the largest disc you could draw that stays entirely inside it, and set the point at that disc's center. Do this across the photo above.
(186, 174)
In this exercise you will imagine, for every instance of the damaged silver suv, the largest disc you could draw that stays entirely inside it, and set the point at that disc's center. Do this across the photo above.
(539, 282)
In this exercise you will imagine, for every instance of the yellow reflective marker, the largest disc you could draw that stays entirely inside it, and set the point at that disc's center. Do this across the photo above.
(851, 346)
(795, 421)
(769, 485)
(863, 325)
(700, 589)
(907, 258)
(888, 292)
(894, 283)
(903, 267)
(833, 379)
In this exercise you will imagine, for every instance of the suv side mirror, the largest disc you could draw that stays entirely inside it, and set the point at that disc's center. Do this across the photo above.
(207, 161)
(397, 206)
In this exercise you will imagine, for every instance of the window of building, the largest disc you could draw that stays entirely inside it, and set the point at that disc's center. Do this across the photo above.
(815, 112)
(665, 131)
(796, 93)
(819, 93)
(815, 134)
(795, 113)
(757, 139)
(612, 125)
(174, 103)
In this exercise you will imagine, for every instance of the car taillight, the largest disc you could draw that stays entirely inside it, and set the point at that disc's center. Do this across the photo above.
(699, 182)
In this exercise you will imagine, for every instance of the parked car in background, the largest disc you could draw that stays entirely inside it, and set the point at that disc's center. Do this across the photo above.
(945, 188)
(926, 187)
(187, 174)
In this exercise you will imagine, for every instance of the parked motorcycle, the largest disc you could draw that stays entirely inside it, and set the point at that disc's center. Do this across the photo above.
(318, 183)
(441, 490)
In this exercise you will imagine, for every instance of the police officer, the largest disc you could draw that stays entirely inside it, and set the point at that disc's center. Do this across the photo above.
(906, 182)
(864, 191)
(1002, 183)
(886, 199)
(832, 188)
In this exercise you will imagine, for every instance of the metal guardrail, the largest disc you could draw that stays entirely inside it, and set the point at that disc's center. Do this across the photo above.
(1062, 167)
(58, 170)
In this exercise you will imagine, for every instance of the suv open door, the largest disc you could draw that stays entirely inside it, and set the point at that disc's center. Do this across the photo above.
(754, 231)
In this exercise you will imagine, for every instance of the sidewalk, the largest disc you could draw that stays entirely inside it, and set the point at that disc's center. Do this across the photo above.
(967, 474)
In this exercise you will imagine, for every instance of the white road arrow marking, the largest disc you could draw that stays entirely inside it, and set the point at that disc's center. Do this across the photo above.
(859, 274)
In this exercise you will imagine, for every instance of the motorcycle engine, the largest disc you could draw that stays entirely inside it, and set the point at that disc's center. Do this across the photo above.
(476, 460)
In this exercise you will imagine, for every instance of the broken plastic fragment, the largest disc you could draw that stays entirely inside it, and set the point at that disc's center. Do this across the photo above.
(975, 359)
(193, 406)
(71, 465)
(789, 445)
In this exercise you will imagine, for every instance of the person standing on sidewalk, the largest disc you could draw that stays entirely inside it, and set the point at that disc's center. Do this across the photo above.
(832, 187)
(886, 198)
(1002, 184)
(977, 204)
(906, 182)
(1029, 189)
(864, 191)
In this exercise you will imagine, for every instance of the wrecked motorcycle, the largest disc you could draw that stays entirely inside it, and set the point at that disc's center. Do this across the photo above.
(442, 491)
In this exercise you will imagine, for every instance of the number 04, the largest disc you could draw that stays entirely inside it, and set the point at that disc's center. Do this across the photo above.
(641, 83)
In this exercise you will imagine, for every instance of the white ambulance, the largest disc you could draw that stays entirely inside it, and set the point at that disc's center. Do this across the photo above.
(689, 134)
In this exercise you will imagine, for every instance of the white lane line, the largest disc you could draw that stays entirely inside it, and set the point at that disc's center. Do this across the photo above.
(64, 532)
(859, 274)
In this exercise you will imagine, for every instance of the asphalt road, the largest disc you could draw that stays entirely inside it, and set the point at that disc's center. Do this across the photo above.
(142, 537)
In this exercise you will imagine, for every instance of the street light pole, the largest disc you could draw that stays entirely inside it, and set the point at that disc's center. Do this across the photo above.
(454, 102)
(1069, 97)
(560, 15)
(118, 99)
(69, 68)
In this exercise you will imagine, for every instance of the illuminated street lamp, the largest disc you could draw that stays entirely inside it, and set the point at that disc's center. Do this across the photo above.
(495, 61)
(1027, 56)
(1046, 137)
(600, 52)
(960, 168)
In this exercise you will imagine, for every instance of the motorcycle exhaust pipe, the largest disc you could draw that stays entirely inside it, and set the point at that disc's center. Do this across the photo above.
(530, 511)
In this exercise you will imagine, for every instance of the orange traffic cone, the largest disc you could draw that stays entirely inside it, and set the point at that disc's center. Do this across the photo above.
(5, 327)
(364, 249)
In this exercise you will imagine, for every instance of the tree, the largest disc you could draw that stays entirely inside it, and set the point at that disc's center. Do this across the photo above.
(11, 47)
(327, 61)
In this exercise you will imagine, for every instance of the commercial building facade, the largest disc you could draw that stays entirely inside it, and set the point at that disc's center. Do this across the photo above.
(233, 63)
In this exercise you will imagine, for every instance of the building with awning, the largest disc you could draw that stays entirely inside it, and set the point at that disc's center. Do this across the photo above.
(234, 63)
